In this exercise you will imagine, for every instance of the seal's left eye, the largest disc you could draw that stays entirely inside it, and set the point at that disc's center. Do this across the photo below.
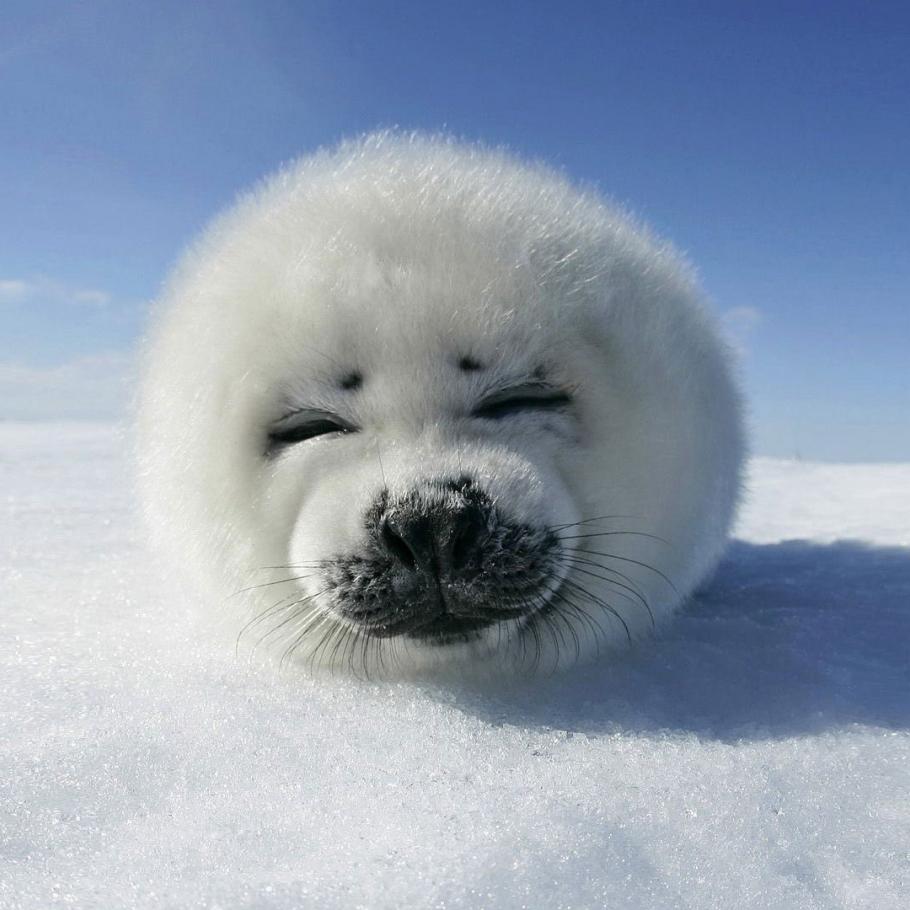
(303, 425)
(520, 399)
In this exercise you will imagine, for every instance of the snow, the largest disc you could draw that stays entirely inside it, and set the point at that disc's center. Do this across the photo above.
(755, 755)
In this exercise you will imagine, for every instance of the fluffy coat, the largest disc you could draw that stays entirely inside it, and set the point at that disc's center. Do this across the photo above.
(406, 261)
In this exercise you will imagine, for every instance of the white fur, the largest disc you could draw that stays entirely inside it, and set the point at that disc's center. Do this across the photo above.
(395, 255)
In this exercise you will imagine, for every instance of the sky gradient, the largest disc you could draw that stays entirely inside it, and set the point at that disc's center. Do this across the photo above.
(769, 141)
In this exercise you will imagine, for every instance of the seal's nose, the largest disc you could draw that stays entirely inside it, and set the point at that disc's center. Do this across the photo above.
(437, 540)
(440, 564)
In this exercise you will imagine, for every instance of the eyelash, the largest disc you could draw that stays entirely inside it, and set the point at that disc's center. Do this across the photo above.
(307, 429)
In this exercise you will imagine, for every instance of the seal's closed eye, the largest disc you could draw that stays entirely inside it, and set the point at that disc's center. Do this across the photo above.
(530, 397)
(302, 425)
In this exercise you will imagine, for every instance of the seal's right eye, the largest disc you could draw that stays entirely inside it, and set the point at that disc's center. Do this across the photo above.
(302, 425)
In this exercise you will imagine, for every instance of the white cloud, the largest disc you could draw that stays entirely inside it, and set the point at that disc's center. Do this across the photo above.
(96, 387)
(22, 290)
(739, 325)
(12, 290)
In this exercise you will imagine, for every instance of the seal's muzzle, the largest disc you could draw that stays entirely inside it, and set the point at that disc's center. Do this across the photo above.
(442, 563)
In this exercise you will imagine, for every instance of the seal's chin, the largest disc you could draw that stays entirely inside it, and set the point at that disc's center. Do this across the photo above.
(448, 629)
(442, 628)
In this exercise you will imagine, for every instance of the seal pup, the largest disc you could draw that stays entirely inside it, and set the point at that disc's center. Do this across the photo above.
(415, 403)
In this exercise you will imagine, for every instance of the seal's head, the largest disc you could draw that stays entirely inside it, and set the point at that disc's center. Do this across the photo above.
(413, 402)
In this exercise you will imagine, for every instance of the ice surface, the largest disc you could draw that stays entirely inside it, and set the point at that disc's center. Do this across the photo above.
(756, 755)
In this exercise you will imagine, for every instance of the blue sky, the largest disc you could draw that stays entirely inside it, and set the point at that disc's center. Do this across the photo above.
(769, 141)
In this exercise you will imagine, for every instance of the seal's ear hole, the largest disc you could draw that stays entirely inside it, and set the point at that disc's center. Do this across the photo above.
(469, 365)
(351, 381)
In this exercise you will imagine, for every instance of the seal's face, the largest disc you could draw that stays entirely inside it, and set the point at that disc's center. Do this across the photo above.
(437, 534)
(416, 404)
(427, 466)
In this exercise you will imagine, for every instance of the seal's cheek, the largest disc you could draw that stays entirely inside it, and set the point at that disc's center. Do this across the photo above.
(330, 521)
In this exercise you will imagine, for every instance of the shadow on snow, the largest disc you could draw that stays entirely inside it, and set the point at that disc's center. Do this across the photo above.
(787, 639)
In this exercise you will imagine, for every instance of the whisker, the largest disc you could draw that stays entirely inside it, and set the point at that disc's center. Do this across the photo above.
(586, 521)
(596, 629)
(311, 621)
(267, 584)
(536, 661)
(327, 636)
(289, 619)
(277, 607)
(381, 468)
(365, 639)
(636, 562)
(579, 556)
(349, 639)
(601, 603)
(340, 635)
(577, 567)
(613, 534)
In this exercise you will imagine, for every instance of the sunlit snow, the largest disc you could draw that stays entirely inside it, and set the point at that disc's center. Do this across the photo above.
(755, 756)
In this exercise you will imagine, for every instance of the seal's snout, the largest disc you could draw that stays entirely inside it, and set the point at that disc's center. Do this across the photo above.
(439, 541)
(441, 562)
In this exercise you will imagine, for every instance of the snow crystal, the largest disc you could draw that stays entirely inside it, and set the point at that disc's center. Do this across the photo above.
(755, 755)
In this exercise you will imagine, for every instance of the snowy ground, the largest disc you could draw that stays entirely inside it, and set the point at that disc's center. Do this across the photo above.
(756, 756)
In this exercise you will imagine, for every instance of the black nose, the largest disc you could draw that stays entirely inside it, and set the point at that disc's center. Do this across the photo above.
(435, 540)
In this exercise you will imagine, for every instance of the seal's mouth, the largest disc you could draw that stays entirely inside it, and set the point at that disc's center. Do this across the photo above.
(447, 628)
